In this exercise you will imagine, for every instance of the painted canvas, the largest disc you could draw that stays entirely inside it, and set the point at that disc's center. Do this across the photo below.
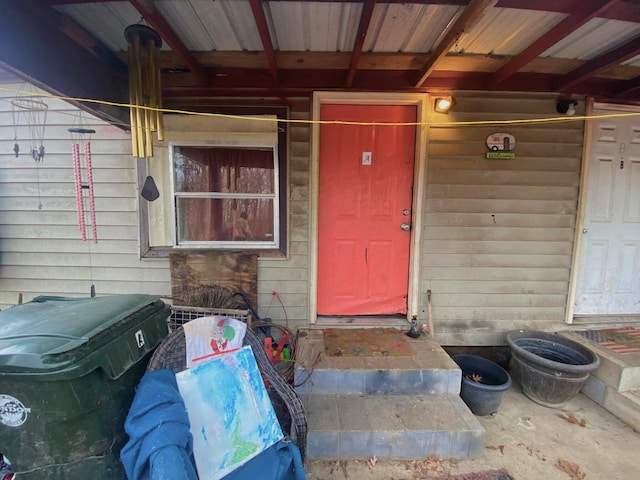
(232, 419)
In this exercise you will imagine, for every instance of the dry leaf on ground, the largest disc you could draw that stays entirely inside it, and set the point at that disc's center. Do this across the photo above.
(496, 447)
(434, 464)
(570, 469)
(372, 462)
(534, 452)
(571, 418)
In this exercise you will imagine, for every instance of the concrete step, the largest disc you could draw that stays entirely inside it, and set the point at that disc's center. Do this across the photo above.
(624, 405)
(615, 385)
(619, 371)
(429, 371)
(396, 427)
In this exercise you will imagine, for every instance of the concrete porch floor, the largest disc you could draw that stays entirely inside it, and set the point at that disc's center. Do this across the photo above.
(526, 439)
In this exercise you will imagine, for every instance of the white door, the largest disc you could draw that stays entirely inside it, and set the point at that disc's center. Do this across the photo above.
(609, 270)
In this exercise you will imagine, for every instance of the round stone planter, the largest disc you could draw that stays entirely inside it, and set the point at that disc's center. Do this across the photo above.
(483, 383)
(550, 368)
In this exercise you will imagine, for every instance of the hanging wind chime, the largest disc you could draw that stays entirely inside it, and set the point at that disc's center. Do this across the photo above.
(145, 93)
(81, 134)
(34, 113)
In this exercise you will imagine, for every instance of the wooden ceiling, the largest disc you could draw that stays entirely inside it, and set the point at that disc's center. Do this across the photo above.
(40, 43)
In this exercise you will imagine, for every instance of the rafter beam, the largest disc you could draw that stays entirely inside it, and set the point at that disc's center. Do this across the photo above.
(265, 38)
(628, 87)
(41, 54)
(586, 10)
(159, 24)
(466, 19)
(626, 10)
(363, 27)
(599, 64)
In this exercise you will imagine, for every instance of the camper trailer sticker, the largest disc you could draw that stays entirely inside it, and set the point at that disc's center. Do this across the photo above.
(12, 412)
(501, 145)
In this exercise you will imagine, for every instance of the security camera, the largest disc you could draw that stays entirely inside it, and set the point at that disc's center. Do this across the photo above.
(566, 106)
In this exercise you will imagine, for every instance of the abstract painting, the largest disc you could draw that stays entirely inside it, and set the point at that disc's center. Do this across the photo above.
(232, 419)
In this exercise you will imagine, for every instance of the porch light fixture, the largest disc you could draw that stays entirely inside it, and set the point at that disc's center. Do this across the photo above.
(444, 104)
(145, 94)
(566, 106)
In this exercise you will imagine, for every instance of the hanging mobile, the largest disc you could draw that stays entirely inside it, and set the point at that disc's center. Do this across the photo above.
(80, 133)
(35, 113)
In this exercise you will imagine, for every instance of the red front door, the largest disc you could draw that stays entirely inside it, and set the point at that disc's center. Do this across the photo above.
(366, 179)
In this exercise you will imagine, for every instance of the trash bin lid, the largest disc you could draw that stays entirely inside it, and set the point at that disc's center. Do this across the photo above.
(40, 335)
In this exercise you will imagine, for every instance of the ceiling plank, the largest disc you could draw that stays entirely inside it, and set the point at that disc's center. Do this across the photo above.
(41, 54)
(468, 16)
(160, 25)
(363, 27)
(599, 64)
(265, 38)
(627, 11)
(587, 10)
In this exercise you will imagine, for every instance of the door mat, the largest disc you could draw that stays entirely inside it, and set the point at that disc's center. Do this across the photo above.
(486, 475)
(619, 340)
(365, 342)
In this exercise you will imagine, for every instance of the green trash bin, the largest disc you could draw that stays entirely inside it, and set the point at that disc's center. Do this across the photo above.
(68, 372)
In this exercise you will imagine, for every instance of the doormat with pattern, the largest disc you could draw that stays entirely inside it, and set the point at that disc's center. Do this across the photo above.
(619, 340)
(365, 342)
(486, 475)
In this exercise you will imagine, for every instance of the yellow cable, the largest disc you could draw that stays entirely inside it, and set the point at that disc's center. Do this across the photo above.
(332, 122)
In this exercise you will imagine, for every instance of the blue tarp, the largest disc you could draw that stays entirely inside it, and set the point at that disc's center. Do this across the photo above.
(160, 442)
(281, 461)
(161, 445)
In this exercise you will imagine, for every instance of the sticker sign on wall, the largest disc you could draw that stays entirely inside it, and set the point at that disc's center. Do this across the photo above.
(12, 412)
(501, 145)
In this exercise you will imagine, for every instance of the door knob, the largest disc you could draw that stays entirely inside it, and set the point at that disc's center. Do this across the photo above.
(405, 226)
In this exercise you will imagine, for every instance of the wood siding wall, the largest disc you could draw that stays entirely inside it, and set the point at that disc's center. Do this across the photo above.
(41, 251)
(498, 234)
(290, 277)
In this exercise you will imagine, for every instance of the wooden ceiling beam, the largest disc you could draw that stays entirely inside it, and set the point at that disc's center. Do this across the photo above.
(468, 16)
(627, 11)
(265, 38)
(586, 10)
(363, 27)
(239, 82)
(41, 54)
(159, 24)
(599, 64)
(628, 87)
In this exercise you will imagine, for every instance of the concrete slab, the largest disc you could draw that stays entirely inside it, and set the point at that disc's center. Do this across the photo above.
(390, 426)
(430, 371)
(618, 370)
(532, 442)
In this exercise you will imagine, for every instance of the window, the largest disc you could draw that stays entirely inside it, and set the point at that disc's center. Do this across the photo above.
(226, 196)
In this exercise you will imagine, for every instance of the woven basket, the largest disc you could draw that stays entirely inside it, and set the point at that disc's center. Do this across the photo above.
(171, 354)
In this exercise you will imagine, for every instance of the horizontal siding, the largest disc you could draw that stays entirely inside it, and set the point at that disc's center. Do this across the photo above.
(498, 234)
(41, 252)
(290, 277)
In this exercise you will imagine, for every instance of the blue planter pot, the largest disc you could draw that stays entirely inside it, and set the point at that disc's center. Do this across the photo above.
(483, 397)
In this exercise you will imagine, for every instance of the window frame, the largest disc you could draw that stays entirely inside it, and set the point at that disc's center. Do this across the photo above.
(227, 244)
(281, 112)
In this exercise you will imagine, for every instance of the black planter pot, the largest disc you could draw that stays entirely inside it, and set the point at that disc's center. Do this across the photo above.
(550, 368)
(483, 397)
